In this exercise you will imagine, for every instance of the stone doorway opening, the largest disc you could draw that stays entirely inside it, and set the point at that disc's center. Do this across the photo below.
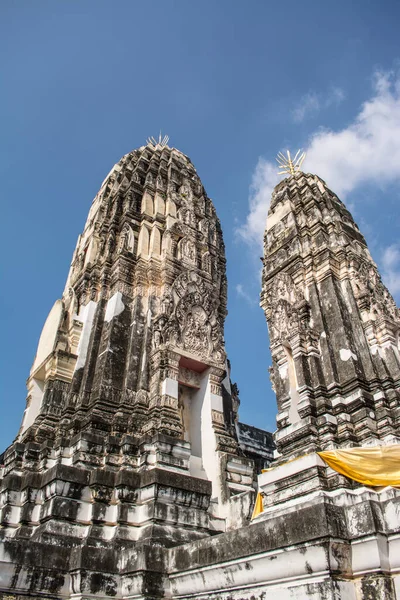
(197, 428)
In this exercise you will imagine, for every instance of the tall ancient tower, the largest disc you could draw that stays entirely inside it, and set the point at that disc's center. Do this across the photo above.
(129, 435)
(333, 325)
(334, 338)
(135, 347)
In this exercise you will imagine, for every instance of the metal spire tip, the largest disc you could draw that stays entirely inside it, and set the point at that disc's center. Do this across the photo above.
(288, 165)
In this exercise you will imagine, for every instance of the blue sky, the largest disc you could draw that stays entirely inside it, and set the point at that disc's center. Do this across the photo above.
(231, 83)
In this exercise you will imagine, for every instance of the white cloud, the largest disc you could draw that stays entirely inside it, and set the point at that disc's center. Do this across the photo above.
(241, 292)
(366, 151)
(335, 97)
(264, 179)
(310, 104)
(391, 268)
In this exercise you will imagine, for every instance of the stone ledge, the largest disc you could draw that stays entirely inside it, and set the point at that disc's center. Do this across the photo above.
(290, 468)
(307, 524)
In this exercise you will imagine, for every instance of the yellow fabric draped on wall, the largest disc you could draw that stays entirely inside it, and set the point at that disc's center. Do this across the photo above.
(375, 466)
(258, 506)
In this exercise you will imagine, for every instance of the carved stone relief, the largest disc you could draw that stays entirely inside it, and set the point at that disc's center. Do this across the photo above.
(188, 319)
(283, 308)
(189, 377)
(373, 298)
(127, 240)
(187, 250)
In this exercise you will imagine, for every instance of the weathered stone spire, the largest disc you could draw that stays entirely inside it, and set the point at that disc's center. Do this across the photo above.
(145, 297)
(333, 325)
(131, 374)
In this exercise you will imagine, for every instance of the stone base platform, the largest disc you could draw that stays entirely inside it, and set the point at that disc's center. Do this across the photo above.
(310, 542)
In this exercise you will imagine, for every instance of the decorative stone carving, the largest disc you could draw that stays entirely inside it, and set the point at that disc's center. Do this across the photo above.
(127, 240)
(187, 250)
(166, 303)
(160, 182)
(193, 325)
(186, 193)
(195, 331)
(284, 308)
(371, 294)
(189, 378)
(206, 262)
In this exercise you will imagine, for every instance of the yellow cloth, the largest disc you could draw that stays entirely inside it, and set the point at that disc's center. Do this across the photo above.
(258, 507)
(376, 466)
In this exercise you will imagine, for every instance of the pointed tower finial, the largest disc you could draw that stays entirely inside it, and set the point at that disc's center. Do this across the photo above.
(288, 165)
(162, 141)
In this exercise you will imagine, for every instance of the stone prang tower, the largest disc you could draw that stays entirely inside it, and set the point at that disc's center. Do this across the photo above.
(129, 439)
(138, 335)
(334, 339)
(333, 325)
